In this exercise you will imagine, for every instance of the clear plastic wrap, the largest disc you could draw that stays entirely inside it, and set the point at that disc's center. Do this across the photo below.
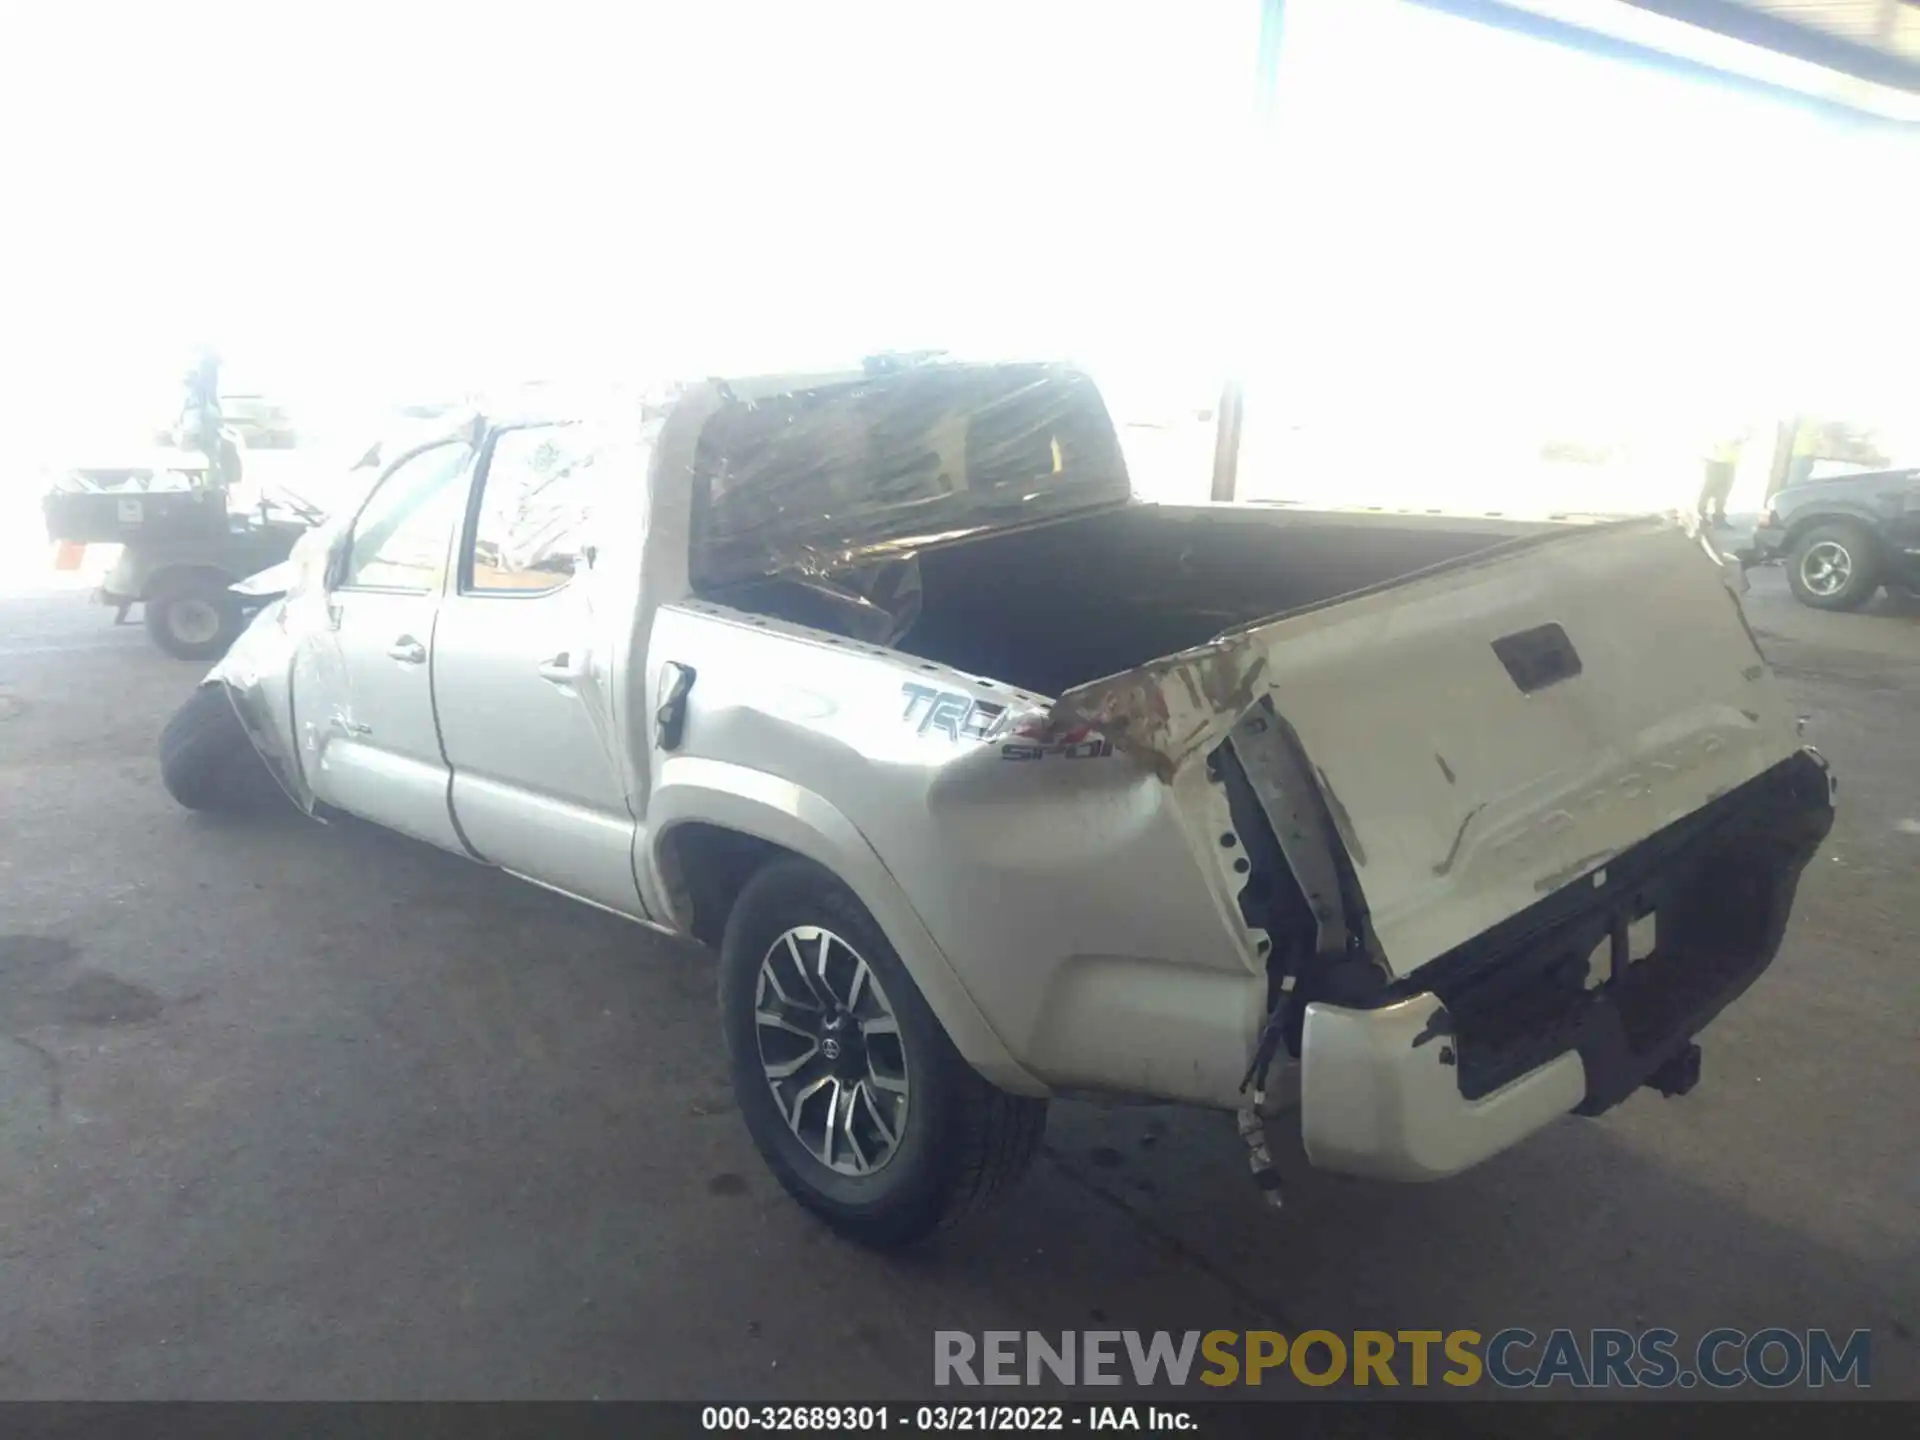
(565, 500)
(833, 485)
(538, 500)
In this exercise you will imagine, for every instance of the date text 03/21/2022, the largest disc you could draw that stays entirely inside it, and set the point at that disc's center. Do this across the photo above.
(932, 1419)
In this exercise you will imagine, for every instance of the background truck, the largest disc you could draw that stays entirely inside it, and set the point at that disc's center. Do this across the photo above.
(182, 545)
(1841, 537)
(990, 783)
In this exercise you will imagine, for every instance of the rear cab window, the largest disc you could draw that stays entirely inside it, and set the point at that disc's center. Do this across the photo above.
(819, 479)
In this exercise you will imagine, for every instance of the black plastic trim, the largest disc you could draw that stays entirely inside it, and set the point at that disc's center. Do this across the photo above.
(1722, 884)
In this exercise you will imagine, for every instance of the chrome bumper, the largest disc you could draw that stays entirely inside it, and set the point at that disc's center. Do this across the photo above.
(1380, 1095)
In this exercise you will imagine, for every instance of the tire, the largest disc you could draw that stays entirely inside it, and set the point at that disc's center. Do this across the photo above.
(207, 761)
(1834, 566)
(962, 1142)
(195, 619)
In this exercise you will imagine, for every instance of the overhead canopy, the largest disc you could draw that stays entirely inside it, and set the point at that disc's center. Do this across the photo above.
(1860, 56)
(1873, 40)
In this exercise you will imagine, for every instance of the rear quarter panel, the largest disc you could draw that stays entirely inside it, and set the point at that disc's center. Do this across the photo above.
(1062, 901)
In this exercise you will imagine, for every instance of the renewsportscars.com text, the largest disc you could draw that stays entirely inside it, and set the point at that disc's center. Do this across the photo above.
(1513, 1358)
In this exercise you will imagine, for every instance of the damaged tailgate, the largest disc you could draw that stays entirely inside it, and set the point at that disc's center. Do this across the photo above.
(1489, 732)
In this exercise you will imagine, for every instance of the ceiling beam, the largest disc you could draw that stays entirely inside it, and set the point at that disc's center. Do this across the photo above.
(1775, 32)
(1529, 17)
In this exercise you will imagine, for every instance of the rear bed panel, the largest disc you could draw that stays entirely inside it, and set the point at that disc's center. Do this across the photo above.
(1473, 758)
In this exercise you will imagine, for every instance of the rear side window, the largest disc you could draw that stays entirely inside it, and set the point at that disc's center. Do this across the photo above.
(400, 539)
(535, 505)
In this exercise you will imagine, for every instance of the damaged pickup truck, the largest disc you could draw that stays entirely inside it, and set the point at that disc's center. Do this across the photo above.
(990, 783)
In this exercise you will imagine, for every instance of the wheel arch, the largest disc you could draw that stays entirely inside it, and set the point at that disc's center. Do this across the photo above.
(1801, 525)
(712, 825)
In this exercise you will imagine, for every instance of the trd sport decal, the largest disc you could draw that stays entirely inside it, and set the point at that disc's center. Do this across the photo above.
(1030, 741)
(961, 717)
(954, 715)
(1094, 748)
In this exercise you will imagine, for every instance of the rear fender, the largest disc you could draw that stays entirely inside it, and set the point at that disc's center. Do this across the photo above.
(769, 808)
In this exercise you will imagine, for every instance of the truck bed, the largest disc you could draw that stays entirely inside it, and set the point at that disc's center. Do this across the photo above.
(1493, 709)
(1052, 607)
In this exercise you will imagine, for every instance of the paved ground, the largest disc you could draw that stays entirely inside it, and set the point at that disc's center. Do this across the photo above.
(291, 1110)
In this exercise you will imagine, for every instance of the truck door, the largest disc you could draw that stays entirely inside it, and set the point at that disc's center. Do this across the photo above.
(521, 676)
(380, 757)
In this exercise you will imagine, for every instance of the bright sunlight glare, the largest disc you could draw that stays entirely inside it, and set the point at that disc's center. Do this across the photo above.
(1450, 241)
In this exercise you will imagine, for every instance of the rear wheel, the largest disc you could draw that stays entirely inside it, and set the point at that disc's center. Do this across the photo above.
(195, 619)
(850, 1088)
(1834, 566)
(207, 760)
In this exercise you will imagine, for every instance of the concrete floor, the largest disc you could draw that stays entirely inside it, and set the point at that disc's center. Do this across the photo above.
(297, 1111)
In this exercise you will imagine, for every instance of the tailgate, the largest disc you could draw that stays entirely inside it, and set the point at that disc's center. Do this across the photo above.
(1490, 732)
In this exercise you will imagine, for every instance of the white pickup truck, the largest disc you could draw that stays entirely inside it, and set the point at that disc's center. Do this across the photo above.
(991, 784)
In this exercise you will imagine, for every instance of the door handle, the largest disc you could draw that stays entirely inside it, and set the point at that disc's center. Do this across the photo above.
(408, 651)
(561, 669)
(670, 719)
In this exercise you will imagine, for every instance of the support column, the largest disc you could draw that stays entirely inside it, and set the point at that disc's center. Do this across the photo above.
(1230, 421)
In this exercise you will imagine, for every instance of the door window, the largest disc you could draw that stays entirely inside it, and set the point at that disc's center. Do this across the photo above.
(400, 539)
(536, 500)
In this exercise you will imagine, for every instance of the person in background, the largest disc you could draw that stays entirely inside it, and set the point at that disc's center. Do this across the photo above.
(1722, 464)
(1809, 438)
(202, 425)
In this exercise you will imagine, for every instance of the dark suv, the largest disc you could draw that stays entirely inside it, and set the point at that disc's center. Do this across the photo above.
(1845, 536)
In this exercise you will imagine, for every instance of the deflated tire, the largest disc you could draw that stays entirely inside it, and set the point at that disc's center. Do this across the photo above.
(206, 760)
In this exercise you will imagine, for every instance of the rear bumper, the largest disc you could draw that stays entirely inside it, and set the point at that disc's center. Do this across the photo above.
(1379, 1094)
(1501, 1037)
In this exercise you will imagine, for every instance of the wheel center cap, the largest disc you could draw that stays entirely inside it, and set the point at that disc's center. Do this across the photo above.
(839, 1043)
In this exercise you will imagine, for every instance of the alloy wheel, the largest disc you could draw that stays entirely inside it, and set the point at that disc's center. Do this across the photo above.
(1826, 568)
(831, 1050)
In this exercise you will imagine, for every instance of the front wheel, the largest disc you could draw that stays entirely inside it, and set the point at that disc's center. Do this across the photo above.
(195, 620)
(852, 1092)
(1834, 567)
